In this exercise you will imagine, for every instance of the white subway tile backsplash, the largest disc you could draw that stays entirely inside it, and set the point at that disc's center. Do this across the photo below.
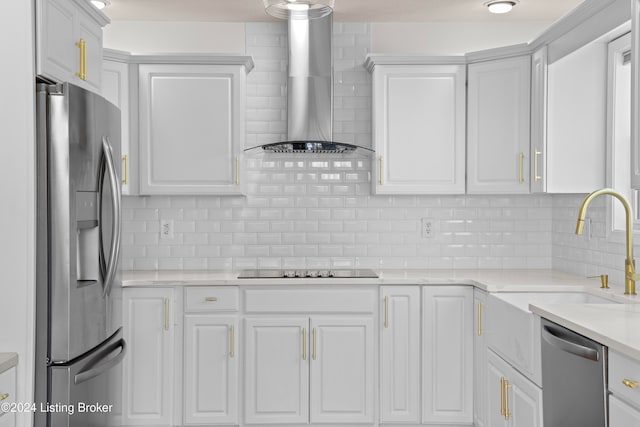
(317, 211)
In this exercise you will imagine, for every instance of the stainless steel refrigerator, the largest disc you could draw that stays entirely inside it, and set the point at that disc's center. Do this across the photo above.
(79, 343)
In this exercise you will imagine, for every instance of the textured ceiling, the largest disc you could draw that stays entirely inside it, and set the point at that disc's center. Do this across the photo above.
(345, 10)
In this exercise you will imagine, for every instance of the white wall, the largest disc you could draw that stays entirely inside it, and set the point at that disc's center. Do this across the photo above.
(447, 38)
(17, 192)
(149, 36)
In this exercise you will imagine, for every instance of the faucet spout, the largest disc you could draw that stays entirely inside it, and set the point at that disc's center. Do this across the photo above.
(630, 266)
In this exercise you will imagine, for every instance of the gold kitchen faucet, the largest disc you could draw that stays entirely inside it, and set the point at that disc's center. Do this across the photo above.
(629, 265)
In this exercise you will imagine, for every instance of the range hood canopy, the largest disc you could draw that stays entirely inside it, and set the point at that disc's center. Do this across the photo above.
(298, 9)
(309, 78)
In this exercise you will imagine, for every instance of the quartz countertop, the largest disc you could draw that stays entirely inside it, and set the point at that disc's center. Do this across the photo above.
(615, 325)
(8, 361)
(487, 280)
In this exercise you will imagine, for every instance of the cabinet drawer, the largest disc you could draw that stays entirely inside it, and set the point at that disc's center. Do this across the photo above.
(7, 388)
(624, 377)
(210, 298)
(310, 300)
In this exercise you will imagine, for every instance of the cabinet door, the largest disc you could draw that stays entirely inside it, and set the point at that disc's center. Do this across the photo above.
(496, 374)
(538, 120)
(447, 354)
(479, 360)
(8, 396)
(621, 414)
(498, 126)
(210, 370)
(514, 401)
(400, 354)
(419, 129)
(191, 128)
(342, 370)
(148, 318)
(115, 88)
(635, 97)
(58, 56)
(91, 33)
(276, 370)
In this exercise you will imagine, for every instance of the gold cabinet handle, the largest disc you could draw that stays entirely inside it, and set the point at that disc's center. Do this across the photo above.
(380, 171)
(386, 312)
(521, 178)
(536, 177)
(125, 175)
(232, 341)
(314, 337)
(507, 414)
(166, 314)
(211, 299)
(502, 396)
(237, 170)
(84, 60)
(304, 343)
(630, 383)
(80, 44)
(4, 396)
(480, 307)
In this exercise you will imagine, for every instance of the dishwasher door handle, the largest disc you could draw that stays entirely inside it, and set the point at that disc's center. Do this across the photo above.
(553, 337)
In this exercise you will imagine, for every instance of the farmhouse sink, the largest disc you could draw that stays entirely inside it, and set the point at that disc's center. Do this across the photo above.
(513, 332)
(522, 299)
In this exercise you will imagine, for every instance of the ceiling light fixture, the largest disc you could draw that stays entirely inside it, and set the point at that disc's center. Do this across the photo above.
(302, 9)
(100, 4)
(500, 6)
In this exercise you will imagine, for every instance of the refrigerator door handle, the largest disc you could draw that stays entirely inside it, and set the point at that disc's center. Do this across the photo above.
(101, 362)
(114, 183)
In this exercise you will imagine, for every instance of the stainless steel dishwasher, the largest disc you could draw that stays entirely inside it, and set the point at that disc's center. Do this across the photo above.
(573, 379)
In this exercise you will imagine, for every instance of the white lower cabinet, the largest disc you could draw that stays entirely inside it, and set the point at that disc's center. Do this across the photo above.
(447, 365)
(148, 318)
(276, 370)
(513, 400)
(624, 398)
(8, 395)
(301, 370)
(479, 360)
(210, 369)
(621, 414)
(400, 355)
(342, 370)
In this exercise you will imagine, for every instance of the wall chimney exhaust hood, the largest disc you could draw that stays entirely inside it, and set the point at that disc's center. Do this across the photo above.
(310, 78)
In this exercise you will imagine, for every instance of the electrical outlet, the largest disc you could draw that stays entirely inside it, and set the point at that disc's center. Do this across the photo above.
(166, 229)
(427, 228)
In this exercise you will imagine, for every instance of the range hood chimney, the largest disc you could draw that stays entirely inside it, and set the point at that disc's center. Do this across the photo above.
(310, 78)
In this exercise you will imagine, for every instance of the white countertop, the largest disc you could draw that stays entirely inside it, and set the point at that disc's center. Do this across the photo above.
(615, 325)
(8, 361)
(488, 280)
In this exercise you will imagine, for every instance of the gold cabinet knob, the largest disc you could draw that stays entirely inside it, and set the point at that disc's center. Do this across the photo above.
(4, 396)
(630, 383)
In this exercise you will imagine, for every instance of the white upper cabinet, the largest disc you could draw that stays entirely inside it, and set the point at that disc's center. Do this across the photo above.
(69, 42)
(574, 157)
(116, 89)
(538, 120)
(498, 98)
(635, 98)
(191, 127)
(418, 128)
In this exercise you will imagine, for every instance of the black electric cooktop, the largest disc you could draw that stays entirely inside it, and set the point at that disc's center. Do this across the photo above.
(310, 274)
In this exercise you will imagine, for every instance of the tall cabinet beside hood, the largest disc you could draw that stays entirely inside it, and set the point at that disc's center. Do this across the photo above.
(418, 124)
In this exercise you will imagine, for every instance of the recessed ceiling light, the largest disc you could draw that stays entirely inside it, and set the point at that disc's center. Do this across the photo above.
(500, 6)
(100, 4)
